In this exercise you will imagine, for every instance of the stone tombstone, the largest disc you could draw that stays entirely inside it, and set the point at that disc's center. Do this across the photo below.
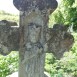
(33, 24)
(33, 38)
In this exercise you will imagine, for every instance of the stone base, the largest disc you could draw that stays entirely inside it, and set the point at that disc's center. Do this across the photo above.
(15, 74)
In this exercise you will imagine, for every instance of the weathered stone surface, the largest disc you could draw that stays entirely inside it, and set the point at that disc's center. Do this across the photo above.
(33, 23)
(32, 55)
(9, 37)
(25, 5)
(59, 40)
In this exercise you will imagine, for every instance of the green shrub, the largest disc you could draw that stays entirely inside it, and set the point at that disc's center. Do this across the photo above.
(8, 64)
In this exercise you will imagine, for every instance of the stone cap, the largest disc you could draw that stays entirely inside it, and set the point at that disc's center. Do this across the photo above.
(25, 5)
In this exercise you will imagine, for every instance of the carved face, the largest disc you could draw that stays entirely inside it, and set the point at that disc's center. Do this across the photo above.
(34, 32)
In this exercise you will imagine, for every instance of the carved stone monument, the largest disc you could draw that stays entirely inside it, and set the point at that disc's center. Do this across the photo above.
(33, 38)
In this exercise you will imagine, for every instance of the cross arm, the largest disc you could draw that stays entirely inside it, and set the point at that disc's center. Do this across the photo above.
(59, 40)
(9, 37)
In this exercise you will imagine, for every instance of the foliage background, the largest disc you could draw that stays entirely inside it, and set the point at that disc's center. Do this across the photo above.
(66, 13)
(8, 64)
(8, 16)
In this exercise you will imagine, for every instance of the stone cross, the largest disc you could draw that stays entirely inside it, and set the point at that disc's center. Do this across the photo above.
(33, 38)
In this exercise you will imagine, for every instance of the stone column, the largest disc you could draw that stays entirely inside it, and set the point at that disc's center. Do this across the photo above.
(33, 24)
